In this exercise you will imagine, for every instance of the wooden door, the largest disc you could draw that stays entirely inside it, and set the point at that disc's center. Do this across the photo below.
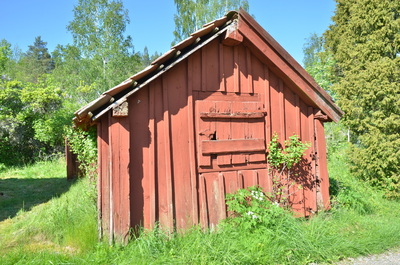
(229, 134)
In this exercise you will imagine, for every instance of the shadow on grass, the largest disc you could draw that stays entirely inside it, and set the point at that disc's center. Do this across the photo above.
(17, 194)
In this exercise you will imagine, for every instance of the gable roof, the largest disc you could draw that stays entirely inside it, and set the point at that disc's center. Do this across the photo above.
(240, 23)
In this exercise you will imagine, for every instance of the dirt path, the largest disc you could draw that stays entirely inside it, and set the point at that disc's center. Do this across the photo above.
(391, 257)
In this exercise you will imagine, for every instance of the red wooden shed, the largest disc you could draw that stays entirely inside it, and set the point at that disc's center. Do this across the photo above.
(174, 138)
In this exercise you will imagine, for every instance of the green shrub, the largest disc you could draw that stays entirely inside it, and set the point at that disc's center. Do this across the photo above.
(251, 208)
(84, 145)
(282, 161)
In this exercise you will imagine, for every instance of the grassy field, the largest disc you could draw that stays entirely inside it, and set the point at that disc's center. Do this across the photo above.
(45, 219)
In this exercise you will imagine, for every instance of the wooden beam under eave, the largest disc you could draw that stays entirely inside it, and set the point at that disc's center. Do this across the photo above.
(232, 38)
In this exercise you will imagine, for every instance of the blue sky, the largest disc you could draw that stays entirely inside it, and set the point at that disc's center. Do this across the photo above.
(290, 22)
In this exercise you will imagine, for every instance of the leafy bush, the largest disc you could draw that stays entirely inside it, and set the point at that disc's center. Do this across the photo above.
(251, 208)
(282, 161)
(84, 145)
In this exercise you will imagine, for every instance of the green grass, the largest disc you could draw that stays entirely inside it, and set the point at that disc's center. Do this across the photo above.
(23, 188)
(61, 217)
(64, 230)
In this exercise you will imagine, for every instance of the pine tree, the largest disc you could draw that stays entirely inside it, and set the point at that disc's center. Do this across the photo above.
(365, 42)
(35, 62)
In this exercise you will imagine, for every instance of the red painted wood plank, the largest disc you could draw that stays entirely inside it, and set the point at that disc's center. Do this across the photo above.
(100, 153)
(231, 185)
(282, 114)
(139, 148)
(203, 63)
(223, 130)
(163, 203)
(229, 66)
(210, 65)
(267, 104)
(239, 177)
(205, 130)
(250, 87)
(250, 178)
(176, 82)
(124, 178)
(291, 121)
(238, 131)
(236, 70)
(243, 70)
(276, 106)
(104, 176)
(290, 113)
(256, 130)
(192, 148)
(232, 146)
(169, 214)
(311, 131)
(213, 196)
(203, 202)
(222, 81)
(152, 156)
(233, 115)
(111, 183)
(322, 164)
(264, 180)
(73, 171)
(298, 118)
(221, 197)
(217, 168)
(115, 198)
(195, 70)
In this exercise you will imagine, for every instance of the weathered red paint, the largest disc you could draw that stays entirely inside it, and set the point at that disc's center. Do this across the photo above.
(200, 130)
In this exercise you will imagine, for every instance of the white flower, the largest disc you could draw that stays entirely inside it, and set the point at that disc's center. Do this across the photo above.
(250, 213)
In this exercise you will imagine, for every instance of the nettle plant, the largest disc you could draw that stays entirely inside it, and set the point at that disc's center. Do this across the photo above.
(252, 207)
(282, 160)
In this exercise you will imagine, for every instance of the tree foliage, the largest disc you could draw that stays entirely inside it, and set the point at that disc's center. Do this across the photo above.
(105, 54)
(193, 14)
(23, 107)
(35, 62)
(319, 62)
(5, 55)
(39, 91)
(365, 43)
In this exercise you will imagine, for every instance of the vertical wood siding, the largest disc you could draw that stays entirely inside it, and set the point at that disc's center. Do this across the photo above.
(201, 131)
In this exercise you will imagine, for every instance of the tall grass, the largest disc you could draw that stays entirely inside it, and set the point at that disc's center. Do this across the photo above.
(63, 230)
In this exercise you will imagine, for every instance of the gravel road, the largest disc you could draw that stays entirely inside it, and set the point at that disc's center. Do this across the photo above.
(391, 257)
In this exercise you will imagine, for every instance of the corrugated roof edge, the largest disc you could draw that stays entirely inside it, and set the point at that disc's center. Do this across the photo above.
(84, 115)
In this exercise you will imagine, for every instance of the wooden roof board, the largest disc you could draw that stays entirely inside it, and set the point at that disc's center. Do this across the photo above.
(185, 43)
(140, 86)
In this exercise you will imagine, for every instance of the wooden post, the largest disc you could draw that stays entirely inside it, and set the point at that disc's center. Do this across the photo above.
(73, 171)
